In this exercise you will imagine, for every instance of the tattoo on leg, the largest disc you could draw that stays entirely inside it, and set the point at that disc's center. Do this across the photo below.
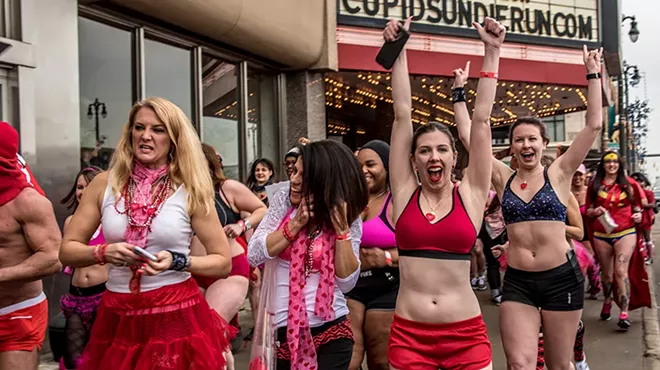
(625, 295)
(622, 258)
(607, 289)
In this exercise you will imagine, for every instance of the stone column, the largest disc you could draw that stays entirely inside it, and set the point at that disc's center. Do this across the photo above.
(305, 107)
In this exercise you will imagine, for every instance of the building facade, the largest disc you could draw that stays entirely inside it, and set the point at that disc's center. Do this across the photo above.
(541, 69)
(250, 83)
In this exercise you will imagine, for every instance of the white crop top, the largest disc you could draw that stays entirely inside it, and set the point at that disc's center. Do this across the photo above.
(170, 230)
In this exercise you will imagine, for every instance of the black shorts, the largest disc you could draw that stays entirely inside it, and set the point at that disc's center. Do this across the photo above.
(377, 289)
(557, 289)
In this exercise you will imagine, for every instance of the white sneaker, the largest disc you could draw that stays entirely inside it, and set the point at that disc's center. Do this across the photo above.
(582, 365)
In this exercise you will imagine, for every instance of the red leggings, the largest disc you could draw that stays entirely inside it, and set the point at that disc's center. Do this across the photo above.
(461, 345)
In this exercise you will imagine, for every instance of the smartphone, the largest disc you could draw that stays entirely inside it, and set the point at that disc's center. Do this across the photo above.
(391, 50)
(142, 253)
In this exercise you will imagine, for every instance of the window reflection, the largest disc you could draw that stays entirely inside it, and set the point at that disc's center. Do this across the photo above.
(168, 73)
(105, 76)
(220, 115)
(262, 133)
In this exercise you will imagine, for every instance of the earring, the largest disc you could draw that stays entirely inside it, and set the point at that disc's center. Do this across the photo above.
(171, 155)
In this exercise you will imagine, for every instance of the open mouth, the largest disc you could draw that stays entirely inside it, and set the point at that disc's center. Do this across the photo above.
(435, 174)
(527, 157)
(145, 148)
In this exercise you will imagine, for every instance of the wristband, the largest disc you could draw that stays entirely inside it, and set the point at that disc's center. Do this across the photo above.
(388, 258)
(489, 75)
(594, 76)
(458, 95)
(248, 226)
(99, 254)
(343, 236)
(241, 223)
(179, 262)
(287, 233)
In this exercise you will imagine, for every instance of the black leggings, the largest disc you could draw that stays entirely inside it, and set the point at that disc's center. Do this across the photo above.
(492, 263)
(334, 355)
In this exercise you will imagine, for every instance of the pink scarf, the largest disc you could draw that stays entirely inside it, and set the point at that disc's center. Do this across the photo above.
(143, 179)
(299, 335)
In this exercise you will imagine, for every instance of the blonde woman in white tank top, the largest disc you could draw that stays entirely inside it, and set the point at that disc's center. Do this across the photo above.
(157, 193)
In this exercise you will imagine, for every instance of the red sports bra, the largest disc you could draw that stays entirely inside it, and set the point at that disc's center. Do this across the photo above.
(451, 238)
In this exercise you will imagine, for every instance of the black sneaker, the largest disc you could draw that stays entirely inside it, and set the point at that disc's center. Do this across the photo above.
(624, 323)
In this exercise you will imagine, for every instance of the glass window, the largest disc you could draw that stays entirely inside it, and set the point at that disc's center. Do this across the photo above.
(220, 115)
(555, 126)
(262, 129)
(168, 73)
(106, 90)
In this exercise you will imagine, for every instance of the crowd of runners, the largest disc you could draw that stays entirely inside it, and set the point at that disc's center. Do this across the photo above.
(373, 254)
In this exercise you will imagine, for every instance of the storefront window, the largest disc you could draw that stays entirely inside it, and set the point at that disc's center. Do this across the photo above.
(262, 131)
(168, 73)
(105, 89)
(220, 118)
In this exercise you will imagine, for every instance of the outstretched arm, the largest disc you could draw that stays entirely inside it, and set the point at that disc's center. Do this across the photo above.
(577, 152)
(478, 140)
(402, 178)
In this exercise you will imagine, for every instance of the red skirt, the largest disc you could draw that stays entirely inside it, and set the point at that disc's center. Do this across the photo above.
(169, 328)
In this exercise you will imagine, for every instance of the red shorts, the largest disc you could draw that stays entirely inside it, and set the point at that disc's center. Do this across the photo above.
(24, 328)
(461, 345)
(239, 267)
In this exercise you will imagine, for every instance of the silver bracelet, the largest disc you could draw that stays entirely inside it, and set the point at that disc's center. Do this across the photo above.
(248, 226)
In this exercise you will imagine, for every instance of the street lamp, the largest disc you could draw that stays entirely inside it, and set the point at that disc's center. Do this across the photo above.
(93, 112)
(632, 73)
(634, 32)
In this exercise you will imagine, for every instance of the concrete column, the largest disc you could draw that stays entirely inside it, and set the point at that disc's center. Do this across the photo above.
(305, 107)
(49, 99)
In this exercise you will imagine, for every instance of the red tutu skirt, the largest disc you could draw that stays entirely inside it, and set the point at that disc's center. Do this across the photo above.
(169, 328)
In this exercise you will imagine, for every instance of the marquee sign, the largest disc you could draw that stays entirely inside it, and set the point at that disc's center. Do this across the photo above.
(553, 22)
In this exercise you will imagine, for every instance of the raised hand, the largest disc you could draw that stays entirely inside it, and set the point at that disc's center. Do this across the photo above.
(592, 59)
(339, 218)
(392, 29)
(461, 76)
(492, 32)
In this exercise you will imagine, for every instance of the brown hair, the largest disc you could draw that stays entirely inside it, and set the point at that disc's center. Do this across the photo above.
(530, 121)
(88, 173)
(432, 127)
(215, 168)
(546, 161)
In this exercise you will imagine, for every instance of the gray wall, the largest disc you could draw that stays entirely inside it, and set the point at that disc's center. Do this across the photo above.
(49, 108)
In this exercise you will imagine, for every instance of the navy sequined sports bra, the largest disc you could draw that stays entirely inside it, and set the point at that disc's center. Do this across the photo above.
(544, 206)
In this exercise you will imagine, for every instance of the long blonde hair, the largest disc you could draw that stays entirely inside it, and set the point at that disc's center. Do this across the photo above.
(187, 162)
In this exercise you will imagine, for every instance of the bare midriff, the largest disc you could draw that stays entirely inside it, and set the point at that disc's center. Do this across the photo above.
(537, 245)
(435, 291)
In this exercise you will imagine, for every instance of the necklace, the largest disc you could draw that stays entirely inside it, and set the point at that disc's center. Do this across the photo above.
(430, 216)
(523, 185)
(309, 258)
(366, 209)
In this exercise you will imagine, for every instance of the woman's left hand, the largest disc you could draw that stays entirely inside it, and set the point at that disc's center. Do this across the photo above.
(163, 264)
(339, 221)
(637, 217)
(233, 230)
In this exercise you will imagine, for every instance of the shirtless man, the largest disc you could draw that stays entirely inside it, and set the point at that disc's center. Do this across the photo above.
(29, 244)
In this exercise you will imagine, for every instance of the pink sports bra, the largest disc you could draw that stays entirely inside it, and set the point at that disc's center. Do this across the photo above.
(378, 232)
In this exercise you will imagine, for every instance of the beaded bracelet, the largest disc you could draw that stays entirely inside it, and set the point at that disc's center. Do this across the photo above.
(287, 233)
(458, 95)
(99, 254)
(179, 262)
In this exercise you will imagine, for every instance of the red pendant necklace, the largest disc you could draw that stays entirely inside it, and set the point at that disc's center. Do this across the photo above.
(523, 184)
(430, 216)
